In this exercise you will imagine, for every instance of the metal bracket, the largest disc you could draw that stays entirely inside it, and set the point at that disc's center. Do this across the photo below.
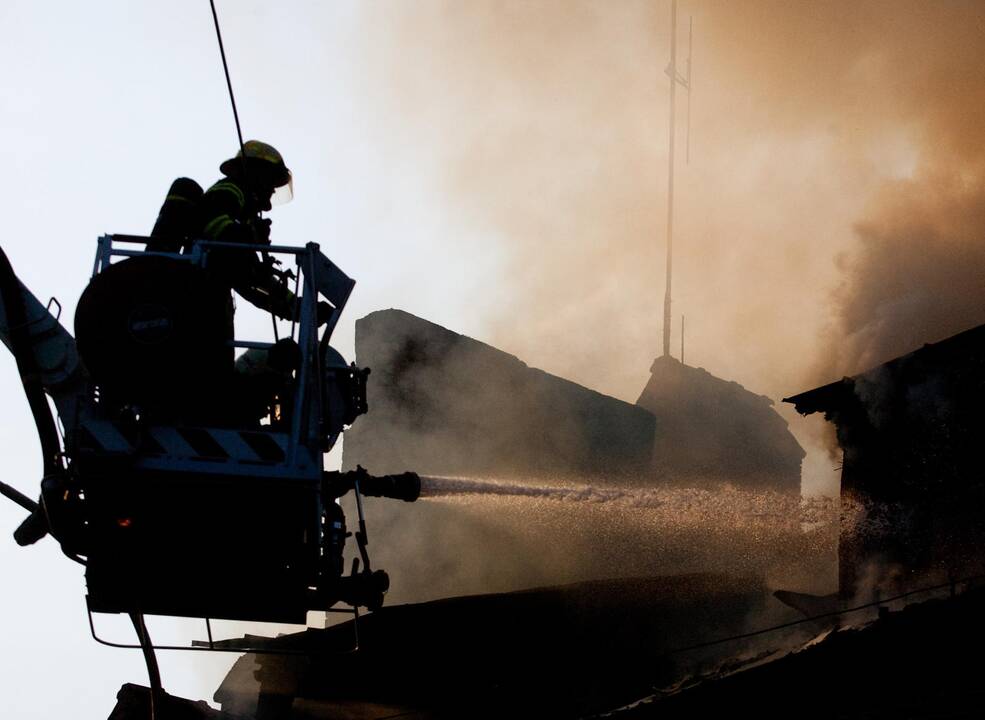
(211, 646)
(54, 301)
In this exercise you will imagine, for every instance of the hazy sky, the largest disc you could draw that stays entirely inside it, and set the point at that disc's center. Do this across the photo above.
(500, 168)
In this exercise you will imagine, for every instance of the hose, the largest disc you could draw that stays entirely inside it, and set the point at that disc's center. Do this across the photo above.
(18, 497)
(13, 303)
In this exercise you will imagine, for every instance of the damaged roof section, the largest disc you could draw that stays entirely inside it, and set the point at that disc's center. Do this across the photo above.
(445, 404)
(910, 431)
(559, 651)
(958, 355)
(716, 430)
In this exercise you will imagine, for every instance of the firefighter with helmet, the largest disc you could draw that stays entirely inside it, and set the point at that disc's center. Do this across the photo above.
(255, 180)
(229, 211)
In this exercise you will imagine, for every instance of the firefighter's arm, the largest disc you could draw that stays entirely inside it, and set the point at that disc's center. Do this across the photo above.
(268, 292)
(274, 296)
(268, 289)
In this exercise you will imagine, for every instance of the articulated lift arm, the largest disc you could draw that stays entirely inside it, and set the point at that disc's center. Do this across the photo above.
(48, 362)
(37, 339)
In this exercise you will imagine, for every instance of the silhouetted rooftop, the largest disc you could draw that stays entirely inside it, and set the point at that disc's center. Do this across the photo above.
(909, 367)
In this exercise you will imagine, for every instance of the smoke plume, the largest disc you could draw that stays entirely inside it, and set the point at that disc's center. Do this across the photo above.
(916, 276)
(830, 216)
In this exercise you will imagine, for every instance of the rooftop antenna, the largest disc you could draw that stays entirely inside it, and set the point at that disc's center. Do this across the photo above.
(690, 44)
(684, 81)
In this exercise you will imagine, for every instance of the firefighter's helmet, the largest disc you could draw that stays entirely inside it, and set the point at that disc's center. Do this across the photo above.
(262, 166)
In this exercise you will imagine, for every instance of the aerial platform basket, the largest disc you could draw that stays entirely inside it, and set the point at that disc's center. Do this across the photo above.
(178, 500)
(220, 520)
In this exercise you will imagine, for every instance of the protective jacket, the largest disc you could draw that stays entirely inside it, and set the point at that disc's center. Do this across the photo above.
(226, 212)
(229, 212)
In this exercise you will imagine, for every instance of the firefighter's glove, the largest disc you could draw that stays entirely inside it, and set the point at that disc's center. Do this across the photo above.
(324, 312)
(261, 231)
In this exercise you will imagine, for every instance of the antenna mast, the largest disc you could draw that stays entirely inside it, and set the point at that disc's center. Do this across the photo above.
(684, 81)
(229, 83)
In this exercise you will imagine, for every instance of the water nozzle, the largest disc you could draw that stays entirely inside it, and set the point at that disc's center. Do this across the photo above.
(405, 486)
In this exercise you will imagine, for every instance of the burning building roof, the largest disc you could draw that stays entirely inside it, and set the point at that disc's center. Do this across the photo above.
(709, 428)
(911, 663)
(562, 651)
(446, 404)
(911, 484)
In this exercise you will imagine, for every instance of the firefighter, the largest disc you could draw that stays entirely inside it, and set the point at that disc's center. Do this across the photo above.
(229, 211)
(255, 179)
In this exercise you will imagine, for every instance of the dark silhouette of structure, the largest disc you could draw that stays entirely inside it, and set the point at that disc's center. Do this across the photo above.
(174, 503)
(915, 663)
(912, 485)
(713, 430)
(134, 702)
(446, 404)
(566, 651)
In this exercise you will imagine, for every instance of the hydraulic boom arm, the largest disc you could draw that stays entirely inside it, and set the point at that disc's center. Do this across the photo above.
(37, 339)
(48, 362)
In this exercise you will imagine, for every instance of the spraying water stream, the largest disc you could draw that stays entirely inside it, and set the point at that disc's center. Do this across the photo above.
(764, 505)
(485, 534)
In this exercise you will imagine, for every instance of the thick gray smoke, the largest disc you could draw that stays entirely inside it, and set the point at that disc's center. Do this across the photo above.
(849, 130)
(830, 218)
(917, 276)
